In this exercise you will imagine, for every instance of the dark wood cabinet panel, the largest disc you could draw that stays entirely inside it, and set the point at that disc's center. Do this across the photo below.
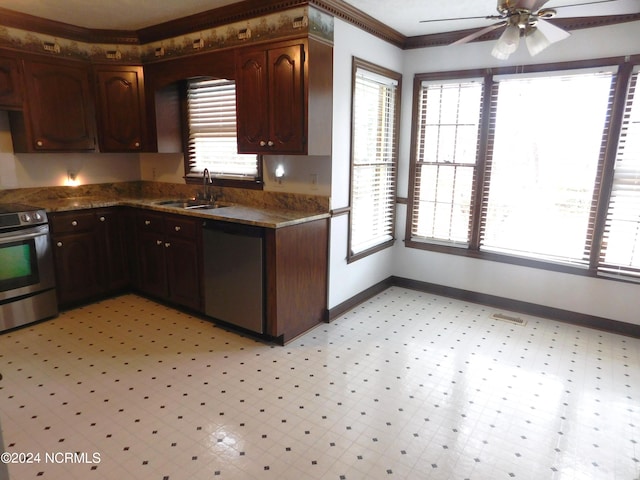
(112, 229)
(270, 100)
(90, 254)
(296, 266)
(120, 103)
(284, 98)
(170, 258)
(152, 272)
(75, 257)
(75, 253)
(163, 93)
(10, 82)
(59, 113)
(183, 272)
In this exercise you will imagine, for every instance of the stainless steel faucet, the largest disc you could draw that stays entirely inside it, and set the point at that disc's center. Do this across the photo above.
(206, 181)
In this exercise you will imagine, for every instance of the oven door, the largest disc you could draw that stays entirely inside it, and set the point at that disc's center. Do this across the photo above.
(26, 262)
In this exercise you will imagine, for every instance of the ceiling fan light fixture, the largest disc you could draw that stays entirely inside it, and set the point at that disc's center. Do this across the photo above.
(536, 41)
(507, 43)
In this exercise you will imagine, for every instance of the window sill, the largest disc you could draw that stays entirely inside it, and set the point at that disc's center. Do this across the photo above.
(519, 261)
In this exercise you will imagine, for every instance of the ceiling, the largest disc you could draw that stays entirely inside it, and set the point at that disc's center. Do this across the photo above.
(402, 15)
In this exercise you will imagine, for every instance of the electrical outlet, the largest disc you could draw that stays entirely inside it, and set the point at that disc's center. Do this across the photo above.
(314, 181)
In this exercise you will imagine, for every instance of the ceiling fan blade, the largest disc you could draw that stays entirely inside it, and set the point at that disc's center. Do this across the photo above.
(479, 33)
(542, 35)
(582, 4)
(485, 17)
(554, 34)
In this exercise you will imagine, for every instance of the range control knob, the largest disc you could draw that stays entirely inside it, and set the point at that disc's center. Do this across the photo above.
(26, 218)
(37, 216)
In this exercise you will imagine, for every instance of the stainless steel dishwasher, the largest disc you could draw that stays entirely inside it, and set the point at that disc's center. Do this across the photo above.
(233, 274)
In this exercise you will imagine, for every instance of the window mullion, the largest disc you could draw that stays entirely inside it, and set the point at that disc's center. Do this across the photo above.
(481, 175)
(602, 197)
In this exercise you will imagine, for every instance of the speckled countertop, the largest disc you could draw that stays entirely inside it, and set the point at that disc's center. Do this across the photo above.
(264, 209)
(249, 215)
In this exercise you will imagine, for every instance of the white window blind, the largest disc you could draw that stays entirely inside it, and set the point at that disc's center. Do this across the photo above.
(446, 147)
(374, 156)
(211, 106)
(545, 165)
(620, 251)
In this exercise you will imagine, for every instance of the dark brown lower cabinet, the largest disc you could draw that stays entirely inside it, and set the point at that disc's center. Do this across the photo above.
(296, 269)
(96, 252)
(90, 254)
(169, 258)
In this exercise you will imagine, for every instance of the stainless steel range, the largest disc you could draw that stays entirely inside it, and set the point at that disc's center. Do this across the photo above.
(27, 280)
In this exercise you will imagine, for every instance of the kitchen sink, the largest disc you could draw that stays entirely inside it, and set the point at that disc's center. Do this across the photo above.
(191, 204)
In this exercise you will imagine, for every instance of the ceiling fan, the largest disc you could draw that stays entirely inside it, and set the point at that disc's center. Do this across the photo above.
(521, 18)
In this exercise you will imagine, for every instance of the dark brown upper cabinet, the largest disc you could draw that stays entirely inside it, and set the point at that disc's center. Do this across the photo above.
(10, 82)
(58, 114)
(284, 98)
(120, 104)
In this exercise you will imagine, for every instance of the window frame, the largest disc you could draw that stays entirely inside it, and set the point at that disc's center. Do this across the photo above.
(190, 178)
(360, 64)
(602, 185)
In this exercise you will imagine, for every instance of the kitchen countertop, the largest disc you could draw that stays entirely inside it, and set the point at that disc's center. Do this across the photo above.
(248, 215)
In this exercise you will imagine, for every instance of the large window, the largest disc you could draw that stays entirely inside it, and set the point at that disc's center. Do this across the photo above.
(621, 238)
(519, 167)
(374, 146)
(212, 141)
(446, 146)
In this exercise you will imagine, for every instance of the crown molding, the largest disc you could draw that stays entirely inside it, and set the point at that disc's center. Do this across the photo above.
(235, 12)
(248, 9)
(573, 23)
(24, 21)
(352, 15)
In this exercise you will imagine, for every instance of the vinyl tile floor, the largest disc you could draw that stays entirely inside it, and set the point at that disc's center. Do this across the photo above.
(406, 385)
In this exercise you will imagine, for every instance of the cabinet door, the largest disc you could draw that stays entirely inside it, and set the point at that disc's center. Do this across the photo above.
(270, 100)
(111, 229)
(10, 83)
(183, 272)
(286, 99)
(120, 102)
(184, 260)
(75, 256)
(252, 101)
(152, 272)
(59, 108)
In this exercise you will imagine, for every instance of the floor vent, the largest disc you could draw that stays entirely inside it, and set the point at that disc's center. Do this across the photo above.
(509, 318)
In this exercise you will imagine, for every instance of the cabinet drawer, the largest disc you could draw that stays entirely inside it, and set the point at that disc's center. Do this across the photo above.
(150, 222)
(71, 222)
(181, 227)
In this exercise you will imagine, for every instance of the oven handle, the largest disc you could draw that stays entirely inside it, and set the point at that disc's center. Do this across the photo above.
(23, 235)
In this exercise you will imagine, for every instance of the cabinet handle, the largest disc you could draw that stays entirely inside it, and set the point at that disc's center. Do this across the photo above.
(74, 223)
(270, 143)
(168, 244)
(39, 143)
(178, 228)
(137, 144)
(263, 143)
(59, 244)
(147, 222)
(102, 219)
(158, 242)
